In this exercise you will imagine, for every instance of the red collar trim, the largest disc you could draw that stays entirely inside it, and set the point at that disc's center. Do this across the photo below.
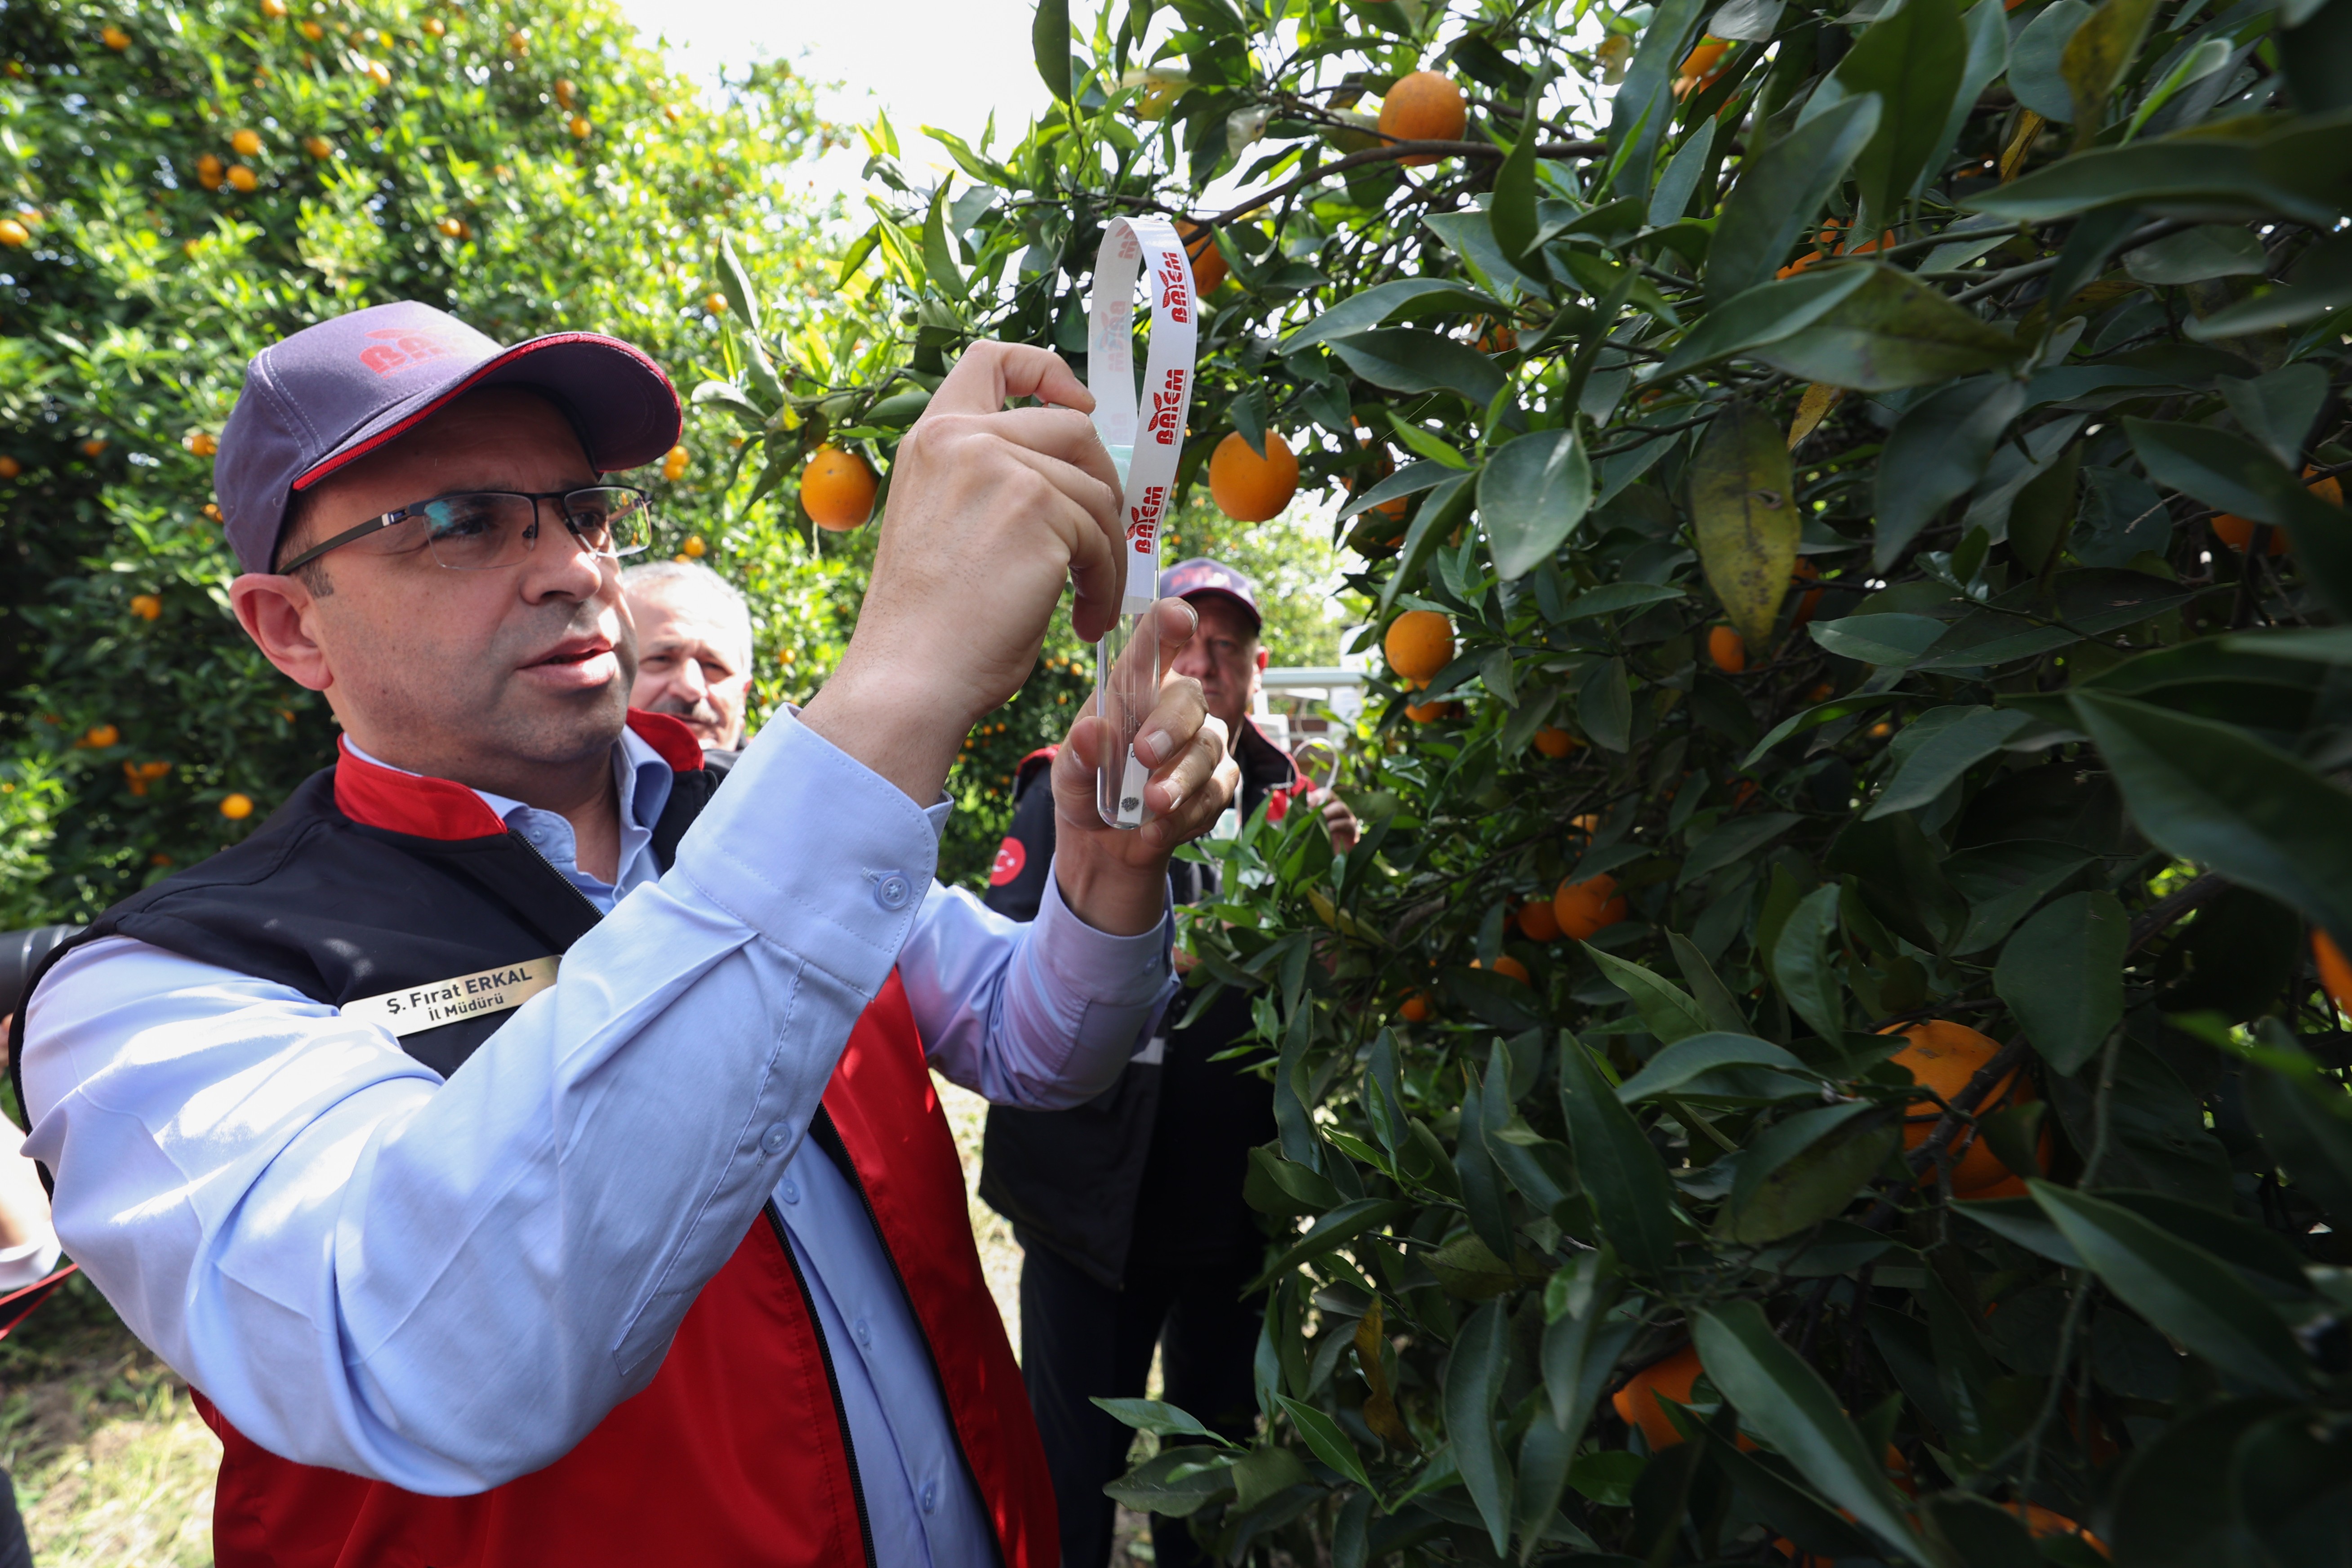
(670, 738)
(377, 797)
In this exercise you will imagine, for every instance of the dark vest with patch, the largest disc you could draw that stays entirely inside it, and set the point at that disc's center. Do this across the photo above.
(370, 882)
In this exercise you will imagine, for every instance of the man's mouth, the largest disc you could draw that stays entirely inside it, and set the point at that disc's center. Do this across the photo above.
(583, 663)
(575, 650)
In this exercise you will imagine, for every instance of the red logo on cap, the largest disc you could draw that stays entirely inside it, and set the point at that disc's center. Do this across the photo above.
(396, 348)
(1010, 858)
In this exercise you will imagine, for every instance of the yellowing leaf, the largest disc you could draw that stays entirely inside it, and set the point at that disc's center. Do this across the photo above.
(1747, 518)
(1811, 410)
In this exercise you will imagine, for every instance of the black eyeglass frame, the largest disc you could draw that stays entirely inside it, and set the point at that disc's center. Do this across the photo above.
(387, 519)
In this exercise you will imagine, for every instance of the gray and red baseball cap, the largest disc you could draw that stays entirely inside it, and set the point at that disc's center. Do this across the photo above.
(1201, 575)
(335, 392)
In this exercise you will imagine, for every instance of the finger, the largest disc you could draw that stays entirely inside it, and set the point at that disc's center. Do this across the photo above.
(1199, 815)
(1177, 621)
(1181, 713)
(990, 372)
(1061, 434)
(1092, 484)
(1175, 786)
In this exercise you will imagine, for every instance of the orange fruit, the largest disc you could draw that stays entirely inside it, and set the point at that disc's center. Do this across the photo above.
(273, 9)
(10, 468)
(1418, 1008)
(1419, 643)
(247, 143)
(2334, 972)
(1537, 923)
(236, 807)
(115, 39)
(318, 147)
(715, 303)
(2234, 531)
(519, 41)
(1424, 107)
(1554, 742)
(1943, 1055)
(1583, 908)
(1429, 712)
(14, 234)
(203, 443)
(1700, 68)
(579, 127)
(694, 547)
(1506, 964)
(1209, 267)
(93, 447)
(147, 606)
(1637, 1405)
(673, 462)
(209, 170)
(2041, 1521)
(310, 30)
(837, 489)
(242, 178)
(1248, 488)
(563, 91)
(1725, 648)
(102, 736)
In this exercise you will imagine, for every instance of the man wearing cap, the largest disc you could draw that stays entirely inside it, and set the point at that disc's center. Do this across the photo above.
(694, 648)
(666, 1260)
(1128, 1208)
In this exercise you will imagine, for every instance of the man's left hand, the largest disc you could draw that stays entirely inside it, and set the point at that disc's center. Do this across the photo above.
(1116, 879)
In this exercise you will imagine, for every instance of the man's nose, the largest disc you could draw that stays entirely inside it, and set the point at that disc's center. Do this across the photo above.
(561, 566)
(1192, 659)
(689, 679)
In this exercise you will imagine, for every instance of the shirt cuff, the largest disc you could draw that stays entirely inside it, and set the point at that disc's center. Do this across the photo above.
(816, 852)
(28, 1264)
(1105, 970)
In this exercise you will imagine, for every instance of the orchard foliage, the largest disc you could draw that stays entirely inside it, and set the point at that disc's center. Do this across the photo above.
(182, 183)
(1881, 469)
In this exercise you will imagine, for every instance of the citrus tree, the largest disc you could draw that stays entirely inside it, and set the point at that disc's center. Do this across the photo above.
(182, 183)
(1825, 1047)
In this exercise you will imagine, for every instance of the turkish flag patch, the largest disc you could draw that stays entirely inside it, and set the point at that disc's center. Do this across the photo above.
(1011, 856)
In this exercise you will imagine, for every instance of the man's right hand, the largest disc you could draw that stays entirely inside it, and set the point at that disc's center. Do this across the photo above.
(991, 509)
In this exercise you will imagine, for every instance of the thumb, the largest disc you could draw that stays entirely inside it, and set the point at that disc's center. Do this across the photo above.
(1175, 621)
(989, 373)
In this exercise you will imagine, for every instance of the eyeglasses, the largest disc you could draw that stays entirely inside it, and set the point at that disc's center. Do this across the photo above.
(476, 530)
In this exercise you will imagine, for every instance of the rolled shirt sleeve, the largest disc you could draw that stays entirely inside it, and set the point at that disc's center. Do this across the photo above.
(445, 1285)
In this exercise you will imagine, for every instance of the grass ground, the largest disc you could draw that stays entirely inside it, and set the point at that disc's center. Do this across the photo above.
(113, 1470)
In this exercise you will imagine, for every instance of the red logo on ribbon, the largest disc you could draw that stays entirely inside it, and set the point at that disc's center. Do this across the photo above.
(1010, 858)
(1175, 287)
(1167, 421)
(1143, 520)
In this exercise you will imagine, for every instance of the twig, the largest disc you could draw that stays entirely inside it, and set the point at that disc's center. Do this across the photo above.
(1389, 154)
(2019, 274)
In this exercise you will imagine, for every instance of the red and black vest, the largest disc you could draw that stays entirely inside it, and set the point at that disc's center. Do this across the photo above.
(369, 880)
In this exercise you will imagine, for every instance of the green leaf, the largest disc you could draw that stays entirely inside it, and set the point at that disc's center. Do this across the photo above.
(1663, 1006)
(1892, 331)
(1049, 42)
(1763, 314)
(2183, 1289)
(2206, 177)
(1786, 1402)
(1361, 312)
(1807, 1168)
(1616, 598)
(2035, 77)
(1716, 1002)
(2209, 791)
(1619, 1170)
(2063, 975)
(1345, 1223)
(1407, 359)
(1473, 1380)
(1912, 60)
(1532, 495)
(1801, 966)
(1932, 768)
(2280, 408)
(1744, 514)
(2319, 281)
(1936, 453)
(1545, 1454)
(2310, 1141)
(938, 250)
(1177, 1481)
(1695, 1056)
(2197, 255)
(1325, 1438)
(1604, 706)
(2228, 471)
(1734, 841)
(1780, 193)
(2096, 56)
(1889, 638)
(1511, 210)
(1671, 200)
(1159, 1418)
(737, 286)
(1263, 1473)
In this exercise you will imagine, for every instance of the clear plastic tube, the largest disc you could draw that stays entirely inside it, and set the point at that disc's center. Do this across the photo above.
(1126, 684)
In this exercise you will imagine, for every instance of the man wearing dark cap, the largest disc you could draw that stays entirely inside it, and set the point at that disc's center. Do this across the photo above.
(1128, 1208)
(666, 1259)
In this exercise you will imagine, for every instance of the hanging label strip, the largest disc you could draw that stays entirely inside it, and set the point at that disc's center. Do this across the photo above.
(1145, 433)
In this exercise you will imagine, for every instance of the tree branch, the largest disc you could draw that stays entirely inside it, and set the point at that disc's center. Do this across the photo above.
(1390, 155)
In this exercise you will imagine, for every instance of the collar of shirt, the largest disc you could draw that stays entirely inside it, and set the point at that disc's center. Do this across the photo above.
(644, 781)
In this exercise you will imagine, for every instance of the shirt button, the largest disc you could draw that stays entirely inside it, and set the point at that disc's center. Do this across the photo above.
(893, 891)
(864, 1334)
(790, 1191)
(930, 1496)
(775, 1139)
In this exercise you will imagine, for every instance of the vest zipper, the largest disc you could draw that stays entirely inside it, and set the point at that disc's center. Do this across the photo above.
(828, 1138)
(559, 875)
(832, 1378)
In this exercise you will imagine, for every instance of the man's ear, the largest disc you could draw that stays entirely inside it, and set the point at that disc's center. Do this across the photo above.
(275, 612)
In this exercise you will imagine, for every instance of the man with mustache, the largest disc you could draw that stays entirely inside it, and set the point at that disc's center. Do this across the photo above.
(666, 1260)
(694, 648)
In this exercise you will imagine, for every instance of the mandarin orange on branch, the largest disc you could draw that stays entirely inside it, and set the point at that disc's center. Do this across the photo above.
(1209, 267)
(1725, 651)
(1419, 643)
(1944, 1056)
(1584, 909)
(2335, 973)
(1424, 107)
(1248, 488)
(837, 489)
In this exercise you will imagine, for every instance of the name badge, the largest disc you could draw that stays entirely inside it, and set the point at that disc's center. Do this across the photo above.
(454, 1000)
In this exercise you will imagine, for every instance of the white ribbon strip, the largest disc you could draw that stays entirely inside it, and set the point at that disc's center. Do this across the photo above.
(1146, 433)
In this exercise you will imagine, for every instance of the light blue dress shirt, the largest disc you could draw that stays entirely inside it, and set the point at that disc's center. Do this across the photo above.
(447, 1285)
